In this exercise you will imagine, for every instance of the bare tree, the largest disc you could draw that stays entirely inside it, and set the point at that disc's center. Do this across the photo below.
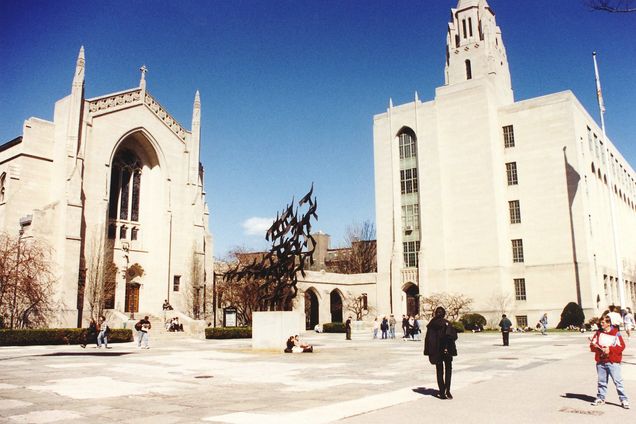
(500, 303)
(358, 306)
(456, 305)
(361, 257)
(100, 277)
(242, 294)
(26, 283)
(194, 293)
(613, 6)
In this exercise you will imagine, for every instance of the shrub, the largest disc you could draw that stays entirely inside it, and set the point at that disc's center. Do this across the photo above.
(228, 333)
(333, 327)
(572, 315)
(473, 321)
(459, 327)
(57, 336)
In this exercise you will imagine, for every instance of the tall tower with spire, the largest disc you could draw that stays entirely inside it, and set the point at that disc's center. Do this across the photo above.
(475, 48)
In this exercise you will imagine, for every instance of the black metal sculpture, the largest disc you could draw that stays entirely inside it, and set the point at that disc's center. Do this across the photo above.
(277, 270)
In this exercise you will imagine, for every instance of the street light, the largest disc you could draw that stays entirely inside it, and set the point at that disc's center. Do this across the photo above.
(25, 221)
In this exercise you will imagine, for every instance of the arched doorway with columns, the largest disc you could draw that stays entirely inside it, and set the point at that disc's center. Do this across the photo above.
(312, 308)
(335, 305)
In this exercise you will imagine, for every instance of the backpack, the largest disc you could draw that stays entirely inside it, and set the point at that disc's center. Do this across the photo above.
(138, 326)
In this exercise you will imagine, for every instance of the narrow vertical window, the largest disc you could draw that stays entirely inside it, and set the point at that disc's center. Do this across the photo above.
(469, 71)
(464, 27)
(3, 179)
(520, 288)
(470, 26)
(590, 141)
(511, 173)
(509, 136)
(515, 211)
(408, 180)
(407, 146)
(517, 250)
(176, 283)
(123, 232)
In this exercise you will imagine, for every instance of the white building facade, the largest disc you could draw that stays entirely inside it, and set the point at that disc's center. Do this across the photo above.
(114, 177)
(505, 202)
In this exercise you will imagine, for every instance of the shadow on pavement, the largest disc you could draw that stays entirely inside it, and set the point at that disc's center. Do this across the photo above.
(85, 353)
(579, 396)
(426, 391)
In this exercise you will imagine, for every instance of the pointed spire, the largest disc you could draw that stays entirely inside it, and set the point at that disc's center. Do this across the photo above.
(417, 98)
(78, 77)
(390, 103)
(142, 82)
(197, 99)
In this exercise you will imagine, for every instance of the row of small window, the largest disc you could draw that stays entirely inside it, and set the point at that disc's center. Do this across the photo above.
(618, 171)
(621, 195)
(123, 232)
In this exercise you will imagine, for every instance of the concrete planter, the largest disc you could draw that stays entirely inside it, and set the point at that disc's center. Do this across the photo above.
(271, 329)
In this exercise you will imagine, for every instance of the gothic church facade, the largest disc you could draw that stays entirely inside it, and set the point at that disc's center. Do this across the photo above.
(113, 178)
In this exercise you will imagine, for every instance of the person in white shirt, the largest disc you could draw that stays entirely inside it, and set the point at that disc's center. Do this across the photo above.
(614, 316)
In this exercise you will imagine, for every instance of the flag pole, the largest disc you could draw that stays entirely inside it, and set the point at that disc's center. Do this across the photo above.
(610, 183)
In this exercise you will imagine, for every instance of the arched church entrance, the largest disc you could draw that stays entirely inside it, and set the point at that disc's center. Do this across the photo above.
(311, 309)
(412, 293)
(335, 301)
(133, 196)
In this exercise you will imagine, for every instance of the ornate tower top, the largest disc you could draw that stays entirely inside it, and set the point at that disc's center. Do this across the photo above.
(474, 47)
(142, 82)
(78, 77)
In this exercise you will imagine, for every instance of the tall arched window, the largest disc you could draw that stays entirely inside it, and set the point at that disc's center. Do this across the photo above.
(469, 71)
(407, 145)
(125, 183)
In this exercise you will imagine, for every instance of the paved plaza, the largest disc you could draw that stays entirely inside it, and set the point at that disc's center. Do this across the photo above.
(185, 380)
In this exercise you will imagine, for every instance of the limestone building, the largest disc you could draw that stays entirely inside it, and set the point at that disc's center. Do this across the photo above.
(505, 201)
(115, 178)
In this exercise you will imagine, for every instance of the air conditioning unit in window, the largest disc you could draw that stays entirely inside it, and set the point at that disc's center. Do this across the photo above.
(408, 229)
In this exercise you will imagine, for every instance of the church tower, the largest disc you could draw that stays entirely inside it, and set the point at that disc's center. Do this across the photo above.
(475, 49)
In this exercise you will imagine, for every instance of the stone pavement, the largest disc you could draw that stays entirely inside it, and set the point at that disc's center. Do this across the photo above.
(538, 379)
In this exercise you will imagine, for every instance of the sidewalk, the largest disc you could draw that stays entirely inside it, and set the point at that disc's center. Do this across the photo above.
(536, 379)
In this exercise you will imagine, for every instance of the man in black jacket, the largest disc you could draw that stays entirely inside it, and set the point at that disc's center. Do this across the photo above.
(348, 328)
(505, 325)
(439, 346)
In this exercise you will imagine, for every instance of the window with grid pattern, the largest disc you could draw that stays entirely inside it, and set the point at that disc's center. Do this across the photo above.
(408, 180)
(411, 216)
(515, 211)
(407, 146)
(517, 250)
(522, 321)
(511, 173)
(410, 253)
(520, 288)
(509, 136)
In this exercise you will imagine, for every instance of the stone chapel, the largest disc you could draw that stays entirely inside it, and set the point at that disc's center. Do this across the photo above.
(114, 179)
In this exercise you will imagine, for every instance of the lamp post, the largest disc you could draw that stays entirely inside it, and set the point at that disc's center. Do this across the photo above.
(25, 221)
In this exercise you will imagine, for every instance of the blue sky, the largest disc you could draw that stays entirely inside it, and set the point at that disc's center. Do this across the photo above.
(289, 88)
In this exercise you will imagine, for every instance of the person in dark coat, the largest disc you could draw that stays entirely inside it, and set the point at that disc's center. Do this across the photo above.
(505, 325)
(439, 346)
(348, 328)
(405, 326)
(384, 327)
(90, 335)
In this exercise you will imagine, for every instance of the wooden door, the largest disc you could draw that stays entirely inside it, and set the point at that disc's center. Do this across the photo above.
(132, 297)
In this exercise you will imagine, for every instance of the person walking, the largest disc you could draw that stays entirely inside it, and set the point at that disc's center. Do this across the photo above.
(405, 327)
(439, 346)
(102, 336)
(505, 325)
(392, 323)
(376, 327)
(143, 327)
(608, 345)
(348, 328)
(628, 321)
(384, 327)
(543, 322)
(615, 316)
(410, 327)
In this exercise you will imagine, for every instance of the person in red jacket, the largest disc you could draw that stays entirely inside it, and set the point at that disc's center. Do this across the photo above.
(608, 345)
